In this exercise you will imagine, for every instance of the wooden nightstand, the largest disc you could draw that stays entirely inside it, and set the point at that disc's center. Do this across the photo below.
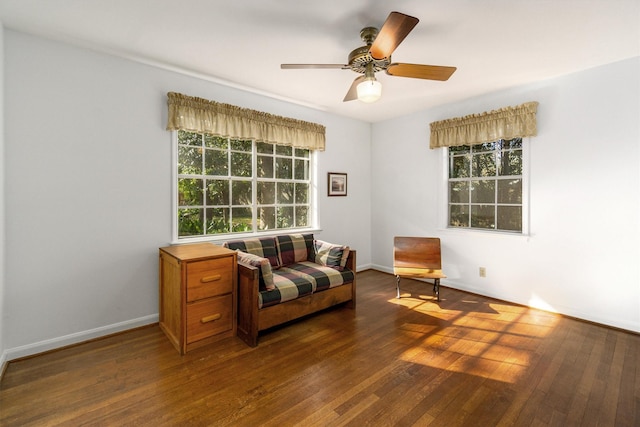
(197, 294)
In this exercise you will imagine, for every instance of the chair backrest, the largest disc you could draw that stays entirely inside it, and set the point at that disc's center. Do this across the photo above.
(417, 252)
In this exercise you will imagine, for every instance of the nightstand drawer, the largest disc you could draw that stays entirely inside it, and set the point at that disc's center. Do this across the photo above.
(209, 317)
(209, 278)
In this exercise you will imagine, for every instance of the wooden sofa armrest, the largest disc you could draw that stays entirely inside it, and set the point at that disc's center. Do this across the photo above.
(248, 287)
(351, 261)
(351, 265)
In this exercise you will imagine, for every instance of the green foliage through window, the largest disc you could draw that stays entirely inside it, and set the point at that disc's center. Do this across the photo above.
(485, 186)
(240, 186)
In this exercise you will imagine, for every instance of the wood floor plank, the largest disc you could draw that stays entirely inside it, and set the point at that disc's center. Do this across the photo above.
(629, 400)
(466, 360)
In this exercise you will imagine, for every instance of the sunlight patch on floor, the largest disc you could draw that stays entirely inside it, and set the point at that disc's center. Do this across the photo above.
(537, 302)
(496, 341)
(426, 305)
(406, 302)
(486, 360)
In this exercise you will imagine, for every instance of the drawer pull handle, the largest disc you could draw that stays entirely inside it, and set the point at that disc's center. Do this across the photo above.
(211, 318)
(207, 279)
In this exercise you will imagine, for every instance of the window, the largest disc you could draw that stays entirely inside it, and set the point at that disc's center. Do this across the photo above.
(485, 186)
(240, 186)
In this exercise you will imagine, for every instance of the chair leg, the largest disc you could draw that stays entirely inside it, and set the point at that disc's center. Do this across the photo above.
(398, 287)
(436, 288)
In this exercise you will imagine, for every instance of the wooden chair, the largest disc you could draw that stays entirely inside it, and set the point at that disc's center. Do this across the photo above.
(418, 258)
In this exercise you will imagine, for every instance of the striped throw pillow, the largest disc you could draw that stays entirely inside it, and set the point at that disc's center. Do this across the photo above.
(266, 274)
(331, 255)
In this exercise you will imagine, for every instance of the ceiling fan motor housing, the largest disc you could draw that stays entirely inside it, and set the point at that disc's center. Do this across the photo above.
(360, 57)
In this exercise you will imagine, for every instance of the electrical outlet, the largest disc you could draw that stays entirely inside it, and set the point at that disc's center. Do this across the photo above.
(483, 272)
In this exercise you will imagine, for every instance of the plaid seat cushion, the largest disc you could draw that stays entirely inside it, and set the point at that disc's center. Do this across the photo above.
(264, 247)
(294, 248)
(321, 277)
(330, 255)
(288, 286)
(266, 274)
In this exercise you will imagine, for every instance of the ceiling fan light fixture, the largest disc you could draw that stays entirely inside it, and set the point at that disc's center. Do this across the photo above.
(369, 90)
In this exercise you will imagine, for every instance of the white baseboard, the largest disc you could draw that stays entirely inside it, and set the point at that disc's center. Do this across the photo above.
(78, 337)
(363, 267)
(382, 268)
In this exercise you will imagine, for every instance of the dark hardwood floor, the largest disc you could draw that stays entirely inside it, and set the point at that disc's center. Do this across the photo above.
(468, 360)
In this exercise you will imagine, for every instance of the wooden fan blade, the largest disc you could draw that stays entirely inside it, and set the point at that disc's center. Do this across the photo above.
(419, 71)
(306, 66)
(353, 90)
(393, 31)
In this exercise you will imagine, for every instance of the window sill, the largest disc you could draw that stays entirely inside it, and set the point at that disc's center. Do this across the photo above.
(485, 233)
(219, 239)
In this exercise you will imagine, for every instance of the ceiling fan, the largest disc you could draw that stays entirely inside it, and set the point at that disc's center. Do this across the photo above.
(376, 56)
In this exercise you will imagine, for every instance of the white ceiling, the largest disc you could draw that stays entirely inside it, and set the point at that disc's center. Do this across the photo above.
(495, 44)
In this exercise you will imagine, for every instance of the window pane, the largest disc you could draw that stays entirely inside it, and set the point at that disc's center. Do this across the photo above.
(241, 193)
(459, 215)
(189, 160)
(300, 152)
(301, 169)
(266, 218)
(486, 146)
(460, 149)
(216, 162)
(264, 148)
(512, 143)
(218, 220)
(241, 219)
(216, 142)
(511, 163)
(284, 168)
(266, 193)
(190, 222)
(459, 192)
(238, 145)
(217, 192)
(284, 150)
(302, 192)
(483, 191)
(189, 138)
(265, 166)
(284, 193)
(483, 216)
(240, 164)
(285, 217)
(459, 167)
(510, 191)
(483, 165)
(510, 218)
(302, 216)
(190, 192)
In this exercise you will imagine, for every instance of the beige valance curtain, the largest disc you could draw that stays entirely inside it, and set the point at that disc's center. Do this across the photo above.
(200, 115)
(505, 123)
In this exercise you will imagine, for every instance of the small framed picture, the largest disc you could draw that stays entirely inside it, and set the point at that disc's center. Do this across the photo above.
(337, 185)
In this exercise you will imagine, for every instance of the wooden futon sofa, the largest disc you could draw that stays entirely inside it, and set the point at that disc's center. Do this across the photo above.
(286, 277)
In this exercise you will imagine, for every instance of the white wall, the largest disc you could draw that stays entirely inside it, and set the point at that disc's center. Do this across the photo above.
(347, 220)
(582, 256)
(88, 194)
(2, 215)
